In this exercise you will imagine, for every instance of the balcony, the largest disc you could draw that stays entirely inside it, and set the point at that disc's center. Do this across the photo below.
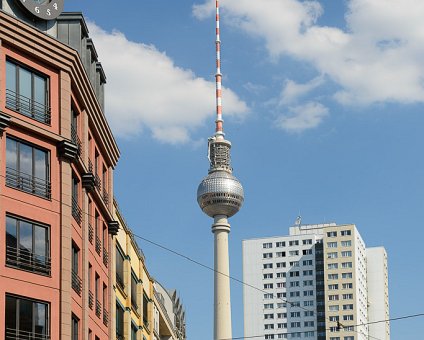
(90, 233)
(28, 107)
(16, 334)
(76, 211)
(76, 283)
(75, 139)
(28, 183)
(98, 245)
(105, 196)
(105, 257)
(98, 308)
(105, 317)
(98, 182)
(28, 261)
(90, 299)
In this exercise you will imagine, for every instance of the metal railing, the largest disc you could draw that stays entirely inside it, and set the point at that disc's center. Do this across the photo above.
(75, 138)
(90, 165)
(16, 334)
(98, 308)
(26, 260)
(105, 196)
(28, 183)
(76, 210)
(98, 245)
(105, 257)
(76, 283)
(98, 182)
(90, 299)
(105, 317)
(28, 107)
(90, 233)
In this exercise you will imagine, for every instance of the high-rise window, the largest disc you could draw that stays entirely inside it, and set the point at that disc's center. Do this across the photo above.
(27, 168)
(26, 319)
(27, 245)
(74, 327)
(76, 280)
(119, 322)
(27, 92)
(76, 210)
(145, 310)
(120, 269)
(134, 283)
(134, 330)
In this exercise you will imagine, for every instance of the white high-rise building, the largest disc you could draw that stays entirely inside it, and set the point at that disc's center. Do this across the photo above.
(315, 285)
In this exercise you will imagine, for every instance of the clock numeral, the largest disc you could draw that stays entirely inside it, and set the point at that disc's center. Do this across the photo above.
(55, 6)
(48, 12)
(37, 9)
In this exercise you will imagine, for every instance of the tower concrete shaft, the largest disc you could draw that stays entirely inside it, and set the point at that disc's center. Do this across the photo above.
(222, 301)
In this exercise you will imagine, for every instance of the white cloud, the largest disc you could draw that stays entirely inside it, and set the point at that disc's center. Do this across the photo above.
(292, 91)
(302, 117)
(378, 58)
(146, 89)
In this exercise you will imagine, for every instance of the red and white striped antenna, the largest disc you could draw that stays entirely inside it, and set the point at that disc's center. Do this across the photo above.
(218, 78)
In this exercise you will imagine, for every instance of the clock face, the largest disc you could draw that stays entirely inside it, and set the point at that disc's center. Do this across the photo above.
(43, 9)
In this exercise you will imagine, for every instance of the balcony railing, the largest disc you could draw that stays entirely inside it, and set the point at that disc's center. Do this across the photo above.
(105, 257)
(76, 210)
(90, 299)
(105, 317)
(76, 283)
(16, 334)
(98, 308)
(98, 245)
(28, 107)
(105, 196)
(28, 183)
(98, 182)
(26, 260)
(76, 139)
(90, 165)
(90, 233)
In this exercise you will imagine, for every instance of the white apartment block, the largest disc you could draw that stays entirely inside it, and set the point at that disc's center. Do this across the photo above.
(314, 285)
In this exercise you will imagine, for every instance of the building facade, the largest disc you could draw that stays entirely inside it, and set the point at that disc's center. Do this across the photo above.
(318, 282)
(57, 156)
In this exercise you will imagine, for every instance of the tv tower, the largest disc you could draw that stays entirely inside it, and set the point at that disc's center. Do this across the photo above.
(220, 195)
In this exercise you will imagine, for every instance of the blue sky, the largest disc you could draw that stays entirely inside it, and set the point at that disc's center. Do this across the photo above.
(323, 104)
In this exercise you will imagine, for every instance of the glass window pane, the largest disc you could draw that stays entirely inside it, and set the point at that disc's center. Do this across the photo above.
(11, 237)
(25, 159)
(24, 82)
(40, 242)
(25, 315)
(40, 318)
(10, 76)
(11, 154)
(39, 89)
(25, 236)
(40, 161)
(10, 312)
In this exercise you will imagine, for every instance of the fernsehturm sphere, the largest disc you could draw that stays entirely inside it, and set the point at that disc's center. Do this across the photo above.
(220, 195)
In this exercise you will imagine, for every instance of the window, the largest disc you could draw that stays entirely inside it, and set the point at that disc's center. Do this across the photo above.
(294, 264)
(269, 336)
(346, 243)
(74, 327)
(332, 266)
(281, 254)
(119, 322)
(97, 231)
(333, 308)
(145, 309)
(76, 210)
(347, 285)
(307, 263)
(268, 286)
(347, 296)
(295, 284)
(333, 297)
(281, 265)
(346, 232)
(308, 283)
(293, 252)
(308, 272)
(27, 168)
(267, 266)
(134, 330)
(90, 291)
(348, 307)
(280, 244)
(268, 316)
(346, 264)
(294, 274)
(268, 306)
(346, 275)
(281, 274)
(332, 234)
(27, 245)
(308, 241)
(308, 293)
(76, 280)
(267, 245)
(281, 295)
(27, 92)
(309, 313)
(334, 318)
(105, 313)
(281, 316)
(268, 276)
(331, 244)
(346, 253)
(295, 324)
(25, 318)
(294, 294)
(97, 293)
(294, 243)
(269, 326)
(308, 303)
(333, 287)
(268, 296)
(267, 255)
(349, 338)
(307, 251)
(309, 334)
(309, 323)
(347, 317)
(295, 314)
(120, 269)
(332, 255)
